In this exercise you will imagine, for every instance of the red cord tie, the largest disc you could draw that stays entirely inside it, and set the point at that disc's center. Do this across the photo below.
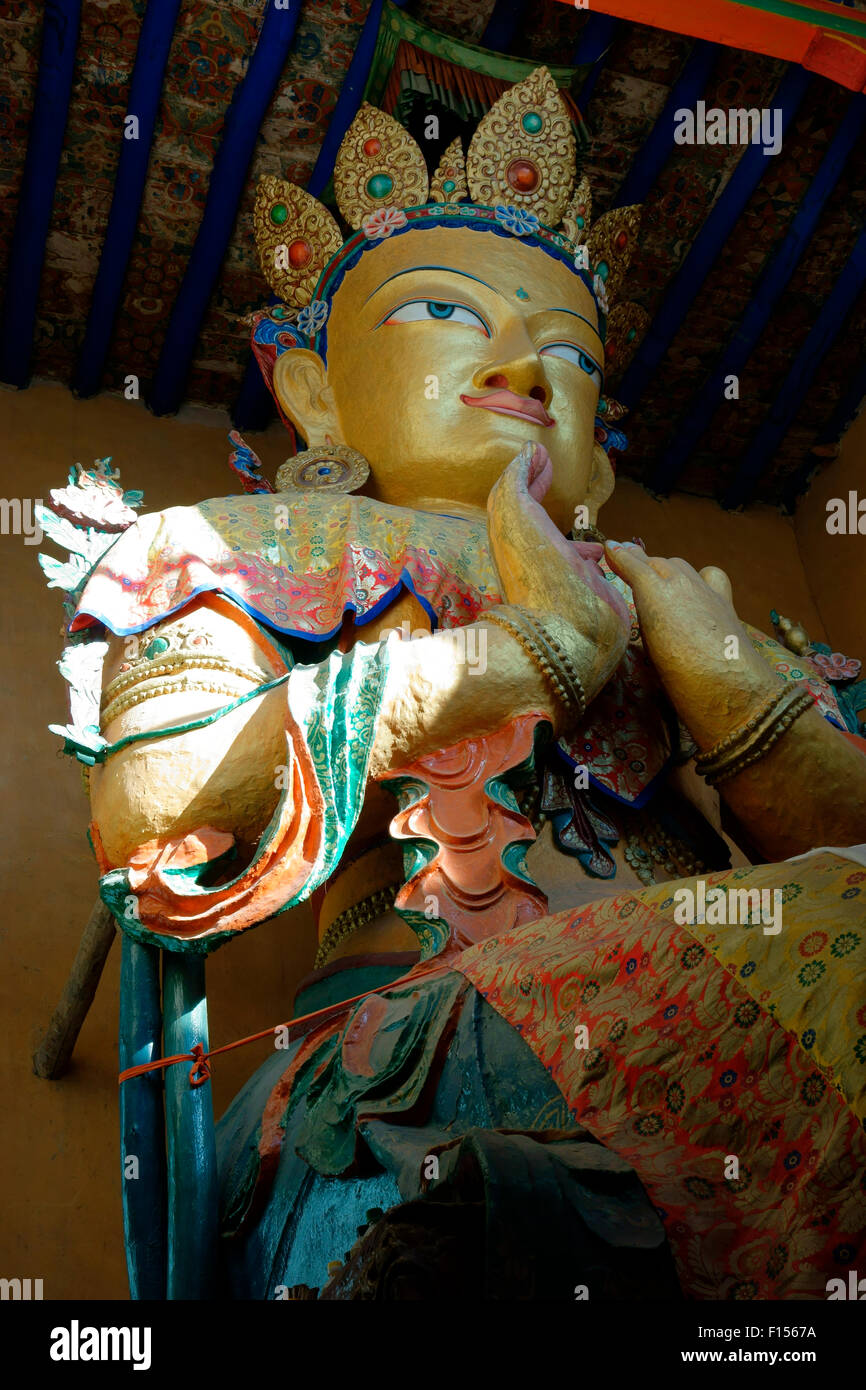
(201, 1071)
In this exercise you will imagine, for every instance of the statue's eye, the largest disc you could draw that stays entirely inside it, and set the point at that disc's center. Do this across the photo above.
(575, 354)
(421, 310)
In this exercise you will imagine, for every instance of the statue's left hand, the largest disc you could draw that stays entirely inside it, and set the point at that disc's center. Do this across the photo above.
(692, 634)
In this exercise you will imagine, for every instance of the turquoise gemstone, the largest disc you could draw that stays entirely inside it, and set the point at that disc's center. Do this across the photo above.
(602, 270)
(631, 335)
(532, 123)
(156, 648)
(380, 185)
(448, 186)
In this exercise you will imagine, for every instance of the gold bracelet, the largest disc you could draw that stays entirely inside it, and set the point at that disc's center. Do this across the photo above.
(740, 735)
(749, 734)
(732, 763)
(180, 685)
(170, 663)
(351, 918)
(547, 655)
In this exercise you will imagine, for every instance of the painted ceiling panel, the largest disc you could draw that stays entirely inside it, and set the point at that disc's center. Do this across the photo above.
(210, 53)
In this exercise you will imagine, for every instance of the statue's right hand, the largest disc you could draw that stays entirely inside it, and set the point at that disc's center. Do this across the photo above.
(541, 570)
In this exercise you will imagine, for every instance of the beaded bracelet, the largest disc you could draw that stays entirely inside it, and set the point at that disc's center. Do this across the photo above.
(740, 735)
(745, 750)
(128, 700)
(546, 654)
(170, 663)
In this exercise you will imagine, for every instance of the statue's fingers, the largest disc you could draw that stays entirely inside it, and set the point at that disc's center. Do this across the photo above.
(630, 562)
(719, 582)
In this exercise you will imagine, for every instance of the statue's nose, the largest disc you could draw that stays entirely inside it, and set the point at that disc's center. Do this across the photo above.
(525, 377)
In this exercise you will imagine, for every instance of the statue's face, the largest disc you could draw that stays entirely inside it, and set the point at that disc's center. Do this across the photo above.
(449, 349)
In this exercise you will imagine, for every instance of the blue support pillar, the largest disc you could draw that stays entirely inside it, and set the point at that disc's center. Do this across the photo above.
(790, 396)
(253, 407)
(45, 142)
(189, 1125)
(767, 293)
(151, 56)
(686, 284)
(243, 119)
(142, 1123)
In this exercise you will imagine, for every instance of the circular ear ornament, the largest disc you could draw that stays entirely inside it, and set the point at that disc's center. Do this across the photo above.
(326, 468)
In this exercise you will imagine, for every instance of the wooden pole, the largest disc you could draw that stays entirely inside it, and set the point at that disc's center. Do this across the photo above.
(52, 1058)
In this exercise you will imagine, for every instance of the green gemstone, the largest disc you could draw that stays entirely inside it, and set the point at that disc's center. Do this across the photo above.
(631, 335)
(156, 648)
(279, 213)
(448, 186)
(532, 123)
(380, 185)
(602, 270)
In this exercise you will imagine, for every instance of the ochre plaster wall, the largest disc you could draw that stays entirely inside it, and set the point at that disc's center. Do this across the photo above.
(757, 549)
(59, 1171)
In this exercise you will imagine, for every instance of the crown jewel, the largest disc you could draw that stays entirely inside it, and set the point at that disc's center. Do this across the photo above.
(523, 151)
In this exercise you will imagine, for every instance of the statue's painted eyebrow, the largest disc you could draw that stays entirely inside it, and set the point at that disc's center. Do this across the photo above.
(556, 309)
(413, 269)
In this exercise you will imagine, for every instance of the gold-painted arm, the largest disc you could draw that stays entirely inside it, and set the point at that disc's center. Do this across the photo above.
(808, 790)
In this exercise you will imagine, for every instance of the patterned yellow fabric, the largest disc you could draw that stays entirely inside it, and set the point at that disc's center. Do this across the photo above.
(796, 974)
(790, 667)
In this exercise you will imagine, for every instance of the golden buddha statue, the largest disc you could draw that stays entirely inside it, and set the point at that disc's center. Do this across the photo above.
(617, 734)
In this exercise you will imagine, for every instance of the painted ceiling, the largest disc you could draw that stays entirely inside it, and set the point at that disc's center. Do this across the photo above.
(763, 265)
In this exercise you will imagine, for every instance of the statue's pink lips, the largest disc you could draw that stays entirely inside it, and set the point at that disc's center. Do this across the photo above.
(507, 403)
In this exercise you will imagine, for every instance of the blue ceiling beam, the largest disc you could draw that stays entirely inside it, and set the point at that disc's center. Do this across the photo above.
(60, 28)
(770, 286)
(244, 117)
(596, 37)
(151, 56)
(718, 225)
(503, 24)
(254, 408)
(791, 394)
(656, 149)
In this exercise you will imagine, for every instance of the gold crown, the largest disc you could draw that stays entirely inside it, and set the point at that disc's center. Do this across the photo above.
(521, 162)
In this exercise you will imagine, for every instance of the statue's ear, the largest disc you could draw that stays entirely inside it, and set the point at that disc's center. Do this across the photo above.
(601, 483)
(301, 387)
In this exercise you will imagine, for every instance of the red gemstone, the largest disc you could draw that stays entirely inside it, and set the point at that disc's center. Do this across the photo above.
(372, 146)
(522, 175)
(621, 242)
(300, 254)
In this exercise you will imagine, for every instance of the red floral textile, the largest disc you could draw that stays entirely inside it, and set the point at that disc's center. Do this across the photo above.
(697, 1054)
